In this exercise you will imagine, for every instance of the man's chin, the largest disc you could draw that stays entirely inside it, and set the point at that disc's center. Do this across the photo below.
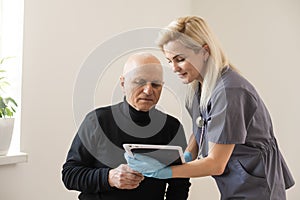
(145, 108)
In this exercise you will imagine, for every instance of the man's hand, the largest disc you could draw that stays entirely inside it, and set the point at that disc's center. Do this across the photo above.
(123, 177)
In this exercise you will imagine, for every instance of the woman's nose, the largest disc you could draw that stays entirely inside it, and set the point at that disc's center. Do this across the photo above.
(175, 67)
(148, 89)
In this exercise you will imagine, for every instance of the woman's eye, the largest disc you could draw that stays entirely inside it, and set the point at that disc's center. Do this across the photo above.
(180, 59)
(176, 60)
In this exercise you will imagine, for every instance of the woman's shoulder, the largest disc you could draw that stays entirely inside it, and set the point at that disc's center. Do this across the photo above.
(233, 80)
(233, 86)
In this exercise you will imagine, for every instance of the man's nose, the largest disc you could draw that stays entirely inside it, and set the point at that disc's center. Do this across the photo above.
(148, 89)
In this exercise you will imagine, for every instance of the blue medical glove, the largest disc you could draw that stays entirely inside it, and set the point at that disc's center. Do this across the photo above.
(163, 173)
(148, 166)
(143, 164)
(187, 156)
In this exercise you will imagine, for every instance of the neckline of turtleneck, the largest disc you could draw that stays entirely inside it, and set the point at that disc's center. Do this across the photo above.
(141, 118)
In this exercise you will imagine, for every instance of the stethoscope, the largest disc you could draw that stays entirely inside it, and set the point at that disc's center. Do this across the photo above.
(200, 122)
(201, 125)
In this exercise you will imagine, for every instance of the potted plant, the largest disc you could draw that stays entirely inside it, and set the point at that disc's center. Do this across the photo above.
(7, 109)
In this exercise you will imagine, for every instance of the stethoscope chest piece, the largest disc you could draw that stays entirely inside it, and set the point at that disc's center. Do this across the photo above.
(200, 122)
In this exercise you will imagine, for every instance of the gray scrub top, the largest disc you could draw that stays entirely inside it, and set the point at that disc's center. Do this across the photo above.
(237, 115)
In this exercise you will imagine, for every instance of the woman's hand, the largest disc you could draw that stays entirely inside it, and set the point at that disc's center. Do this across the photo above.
(187, 156)
(148, 166)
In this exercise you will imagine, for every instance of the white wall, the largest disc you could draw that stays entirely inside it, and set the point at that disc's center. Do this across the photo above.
(59, 36)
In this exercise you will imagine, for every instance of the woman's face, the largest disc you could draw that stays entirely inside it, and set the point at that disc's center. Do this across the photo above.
(185, 62)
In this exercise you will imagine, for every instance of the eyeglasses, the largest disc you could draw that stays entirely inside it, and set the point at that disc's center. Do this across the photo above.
(143, 82)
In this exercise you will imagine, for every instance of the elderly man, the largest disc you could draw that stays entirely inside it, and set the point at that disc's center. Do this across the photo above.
(95, 164)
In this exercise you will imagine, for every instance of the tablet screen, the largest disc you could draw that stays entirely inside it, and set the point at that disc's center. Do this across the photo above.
(166, 154)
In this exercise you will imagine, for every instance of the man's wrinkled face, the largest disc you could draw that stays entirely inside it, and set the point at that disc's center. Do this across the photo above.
(142, 86)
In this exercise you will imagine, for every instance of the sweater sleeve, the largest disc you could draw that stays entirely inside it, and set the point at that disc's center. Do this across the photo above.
(82, 172)
(178, 189)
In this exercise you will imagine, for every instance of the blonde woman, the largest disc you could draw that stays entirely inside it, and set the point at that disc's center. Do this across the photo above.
(233, 138)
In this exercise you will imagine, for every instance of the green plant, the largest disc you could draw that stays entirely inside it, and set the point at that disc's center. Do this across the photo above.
(7, 104)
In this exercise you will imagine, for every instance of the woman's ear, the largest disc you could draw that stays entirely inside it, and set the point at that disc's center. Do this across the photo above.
(206, 52)
(206, 48)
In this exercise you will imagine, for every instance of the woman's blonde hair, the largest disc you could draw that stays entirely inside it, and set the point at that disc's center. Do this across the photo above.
(194, 33)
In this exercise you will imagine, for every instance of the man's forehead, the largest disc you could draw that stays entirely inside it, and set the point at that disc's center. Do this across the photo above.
(140, 59)
(147, 71)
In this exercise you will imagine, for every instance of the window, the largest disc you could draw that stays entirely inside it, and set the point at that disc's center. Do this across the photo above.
(11, 45)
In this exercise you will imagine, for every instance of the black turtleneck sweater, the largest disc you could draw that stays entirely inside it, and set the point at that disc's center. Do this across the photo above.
(97, 148)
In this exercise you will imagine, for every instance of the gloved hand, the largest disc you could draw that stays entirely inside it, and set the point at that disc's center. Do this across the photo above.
(187, 156)
(148, 166)
(163, 173)
(143, 164)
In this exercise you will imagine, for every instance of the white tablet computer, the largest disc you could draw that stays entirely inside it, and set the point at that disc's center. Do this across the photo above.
(166, 154)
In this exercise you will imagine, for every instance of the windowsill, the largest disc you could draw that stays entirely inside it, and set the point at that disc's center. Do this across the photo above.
(13, 158)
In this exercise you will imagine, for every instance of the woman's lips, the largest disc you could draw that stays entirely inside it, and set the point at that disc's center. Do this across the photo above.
(182, 75)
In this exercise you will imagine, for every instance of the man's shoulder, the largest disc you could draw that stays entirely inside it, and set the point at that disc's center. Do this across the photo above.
(103, 110)
(170, 118)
